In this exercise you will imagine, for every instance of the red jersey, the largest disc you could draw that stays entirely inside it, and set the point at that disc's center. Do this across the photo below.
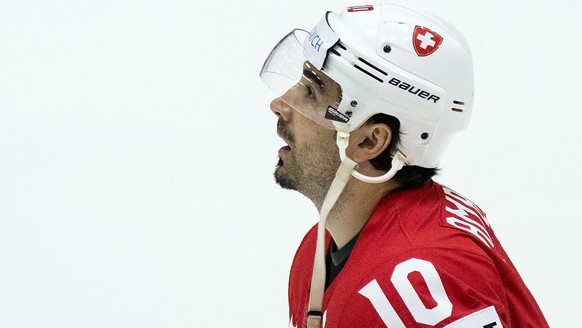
(427, 257)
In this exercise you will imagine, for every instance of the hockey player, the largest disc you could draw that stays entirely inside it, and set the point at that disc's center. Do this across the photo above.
(368, 102)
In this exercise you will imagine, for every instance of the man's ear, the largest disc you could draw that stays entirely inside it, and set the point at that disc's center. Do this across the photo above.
(369, 141)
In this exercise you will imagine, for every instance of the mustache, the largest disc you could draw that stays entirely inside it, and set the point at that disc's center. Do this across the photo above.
(283, 131)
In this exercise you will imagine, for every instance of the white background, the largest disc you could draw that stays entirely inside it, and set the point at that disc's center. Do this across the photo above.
(137, 150)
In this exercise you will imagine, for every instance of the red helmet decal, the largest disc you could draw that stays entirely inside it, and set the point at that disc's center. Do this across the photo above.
(354, 9)
(425, 41)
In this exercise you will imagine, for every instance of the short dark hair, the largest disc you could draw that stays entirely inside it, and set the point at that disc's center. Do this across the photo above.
(410, 176)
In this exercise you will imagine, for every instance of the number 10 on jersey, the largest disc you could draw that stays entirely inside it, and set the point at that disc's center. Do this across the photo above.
(415, 305)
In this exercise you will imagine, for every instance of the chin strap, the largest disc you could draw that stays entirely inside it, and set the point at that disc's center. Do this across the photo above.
(342, 176)
(397, 163)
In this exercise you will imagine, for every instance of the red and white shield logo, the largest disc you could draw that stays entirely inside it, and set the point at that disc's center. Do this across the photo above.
(425, 41)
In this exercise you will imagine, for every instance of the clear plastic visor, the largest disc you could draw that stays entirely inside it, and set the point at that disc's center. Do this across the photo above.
(297, 82)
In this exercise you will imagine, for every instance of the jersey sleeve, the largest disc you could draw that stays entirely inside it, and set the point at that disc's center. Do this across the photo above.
(427, 288)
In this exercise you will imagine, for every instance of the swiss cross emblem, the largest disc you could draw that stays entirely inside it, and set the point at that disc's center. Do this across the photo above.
(425, 41)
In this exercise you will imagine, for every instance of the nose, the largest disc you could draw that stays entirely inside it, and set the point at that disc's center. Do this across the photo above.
(281, 109)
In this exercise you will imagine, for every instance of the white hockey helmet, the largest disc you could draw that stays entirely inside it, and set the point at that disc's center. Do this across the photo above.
(387, 59)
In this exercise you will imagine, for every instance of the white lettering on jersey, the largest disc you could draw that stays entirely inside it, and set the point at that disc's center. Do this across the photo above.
(486, 318)
(409, 295)
(467, 216)
(403, 285)
(385, 310)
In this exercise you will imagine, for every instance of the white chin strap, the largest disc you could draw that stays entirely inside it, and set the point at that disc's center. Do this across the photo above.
(342, 176)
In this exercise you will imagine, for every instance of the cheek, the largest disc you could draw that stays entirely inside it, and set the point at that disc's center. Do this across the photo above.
(327, 139)
(316, 145)
(317, 140)
(325, 146)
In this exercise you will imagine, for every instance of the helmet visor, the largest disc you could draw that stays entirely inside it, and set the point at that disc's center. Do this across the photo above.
(298, 82)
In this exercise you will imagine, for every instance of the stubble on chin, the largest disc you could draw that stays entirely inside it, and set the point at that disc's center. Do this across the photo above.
(314, 185)
(282, 179)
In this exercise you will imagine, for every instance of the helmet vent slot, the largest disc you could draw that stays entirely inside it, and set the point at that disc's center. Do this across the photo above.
(371, 70)
(460, 103)
(372, 66)
(369, 74)
(333, 51)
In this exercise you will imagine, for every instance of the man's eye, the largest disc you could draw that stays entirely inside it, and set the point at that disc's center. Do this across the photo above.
(309, 92)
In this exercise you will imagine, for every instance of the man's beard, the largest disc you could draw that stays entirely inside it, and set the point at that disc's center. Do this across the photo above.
(284, 180)
(306, 168)
(313, 185)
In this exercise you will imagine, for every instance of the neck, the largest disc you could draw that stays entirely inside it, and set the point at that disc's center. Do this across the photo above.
(354, 207)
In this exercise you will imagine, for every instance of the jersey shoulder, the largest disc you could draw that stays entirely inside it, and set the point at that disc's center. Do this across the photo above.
(433, 215)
